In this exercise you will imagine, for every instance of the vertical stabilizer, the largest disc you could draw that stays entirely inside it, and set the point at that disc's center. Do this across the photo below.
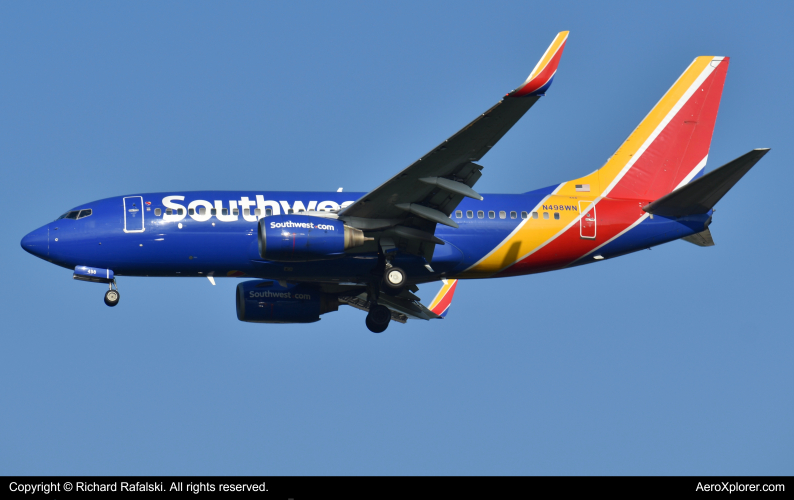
(670, 146)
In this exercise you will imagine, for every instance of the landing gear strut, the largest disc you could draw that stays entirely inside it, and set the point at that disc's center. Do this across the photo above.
(112, 296)
(378, 318)
(394, 278)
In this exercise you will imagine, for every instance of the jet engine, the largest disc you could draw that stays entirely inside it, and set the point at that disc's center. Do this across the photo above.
(300, 238)
(266, 301)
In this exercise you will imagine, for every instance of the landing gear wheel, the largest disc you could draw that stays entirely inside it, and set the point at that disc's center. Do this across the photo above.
(378, 319)
(112, 297)
(394, 278)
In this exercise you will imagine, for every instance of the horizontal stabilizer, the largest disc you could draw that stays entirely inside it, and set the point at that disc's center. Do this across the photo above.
(700, 195)
(701, 239)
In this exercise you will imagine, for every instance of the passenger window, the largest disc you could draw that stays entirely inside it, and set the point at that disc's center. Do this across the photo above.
(545, 215)
(180, 211)
(157, 212)
(246, 211)
(225, 211)
(268, 211)
(214, 211)
(84, 213)
(491, 214)
(258, 212)
(203, 211)
(469, 213)
(290, 211)
(235, 212)
(190, 211)
(480, 214)
(524, 215)
(458, 214)
(502, 214)
(534, 215)
(513, 215)
(72, 215)
(168, 211)
(556, 216)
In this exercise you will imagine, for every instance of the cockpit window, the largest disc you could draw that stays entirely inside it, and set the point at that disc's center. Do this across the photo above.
(75, 214)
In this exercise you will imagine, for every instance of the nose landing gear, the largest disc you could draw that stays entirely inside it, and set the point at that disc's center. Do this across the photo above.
(112, 296)
(100, 275)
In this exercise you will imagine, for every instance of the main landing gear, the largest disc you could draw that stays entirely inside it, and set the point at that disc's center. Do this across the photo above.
(112, 296)
(378, 318)
(393, 282)
(394, 278)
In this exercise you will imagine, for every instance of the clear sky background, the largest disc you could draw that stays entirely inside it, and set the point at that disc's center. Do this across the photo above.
(678, 360)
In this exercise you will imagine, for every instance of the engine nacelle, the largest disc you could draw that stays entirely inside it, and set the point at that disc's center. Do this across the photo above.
(265, 301)
(300, 238)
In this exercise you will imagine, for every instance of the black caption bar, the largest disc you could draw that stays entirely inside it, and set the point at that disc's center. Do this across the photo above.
(299, 488)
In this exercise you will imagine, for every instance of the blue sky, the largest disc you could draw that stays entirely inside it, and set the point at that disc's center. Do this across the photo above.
(671, 361)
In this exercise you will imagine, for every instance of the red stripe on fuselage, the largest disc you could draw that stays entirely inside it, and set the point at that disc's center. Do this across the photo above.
(612, 217)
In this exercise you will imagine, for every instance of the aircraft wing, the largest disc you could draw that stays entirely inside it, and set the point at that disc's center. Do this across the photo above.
(406, 305)
(426, 193)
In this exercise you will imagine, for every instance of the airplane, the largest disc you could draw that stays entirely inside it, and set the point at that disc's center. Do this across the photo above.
(307, 253)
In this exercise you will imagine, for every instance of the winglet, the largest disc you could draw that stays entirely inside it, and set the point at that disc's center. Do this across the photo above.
(540, 79)
(443, 300)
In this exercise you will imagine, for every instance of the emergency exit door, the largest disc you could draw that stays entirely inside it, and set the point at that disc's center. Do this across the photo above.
(133, 214)
(587, 224)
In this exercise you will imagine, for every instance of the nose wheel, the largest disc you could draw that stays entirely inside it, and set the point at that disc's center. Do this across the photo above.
(112, 296)
(378, 318)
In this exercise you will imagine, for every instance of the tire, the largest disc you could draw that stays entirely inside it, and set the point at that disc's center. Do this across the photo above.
(378, 319)
(376, 328)
(394, 278)
(112, 297)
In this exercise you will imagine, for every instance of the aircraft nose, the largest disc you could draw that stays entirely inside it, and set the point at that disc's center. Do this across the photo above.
(37, 242)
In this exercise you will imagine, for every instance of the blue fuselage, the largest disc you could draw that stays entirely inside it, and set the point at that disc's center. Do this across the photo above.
(216, 234)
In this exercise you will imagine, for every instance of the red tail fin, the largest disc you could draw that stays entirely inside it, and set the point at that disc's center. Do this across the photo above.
(670, 146)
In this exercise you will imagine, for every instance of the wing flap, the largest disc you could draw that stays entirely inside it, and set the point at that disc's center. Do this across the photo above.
(406, 305)
(402, 309)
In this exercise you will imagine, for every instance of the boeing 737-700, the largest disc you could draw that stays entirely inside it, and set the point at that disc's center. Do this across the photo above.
(307, 253)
